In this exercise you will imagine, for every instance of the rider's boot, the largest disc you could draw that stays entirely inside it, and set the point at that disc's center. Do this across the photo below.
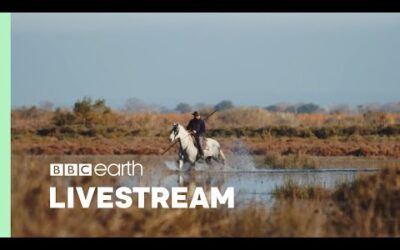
(200, 155)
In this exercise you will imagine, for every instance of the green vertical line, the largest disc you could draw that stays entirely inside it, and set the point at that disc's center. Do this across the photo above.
(5, 124)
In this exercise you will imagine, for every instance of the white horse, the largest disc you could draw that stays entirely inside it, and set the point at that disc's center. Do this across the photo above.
(188, 151)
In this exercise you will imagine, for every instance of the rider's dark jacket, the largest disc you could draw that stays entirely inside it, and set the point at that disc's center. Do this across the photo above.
(198, 125)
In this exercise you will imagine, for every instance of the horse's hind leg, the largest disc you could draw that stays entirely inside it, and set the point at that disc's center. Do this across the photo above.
(208, 160)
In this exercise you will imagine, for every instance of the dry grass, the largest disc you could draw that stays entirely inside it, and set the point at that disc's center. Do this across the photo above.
(389, 147)
(385, 147)
(246, 117)
(293, 190)
(371, 204)
(34, 131)
(368, 207)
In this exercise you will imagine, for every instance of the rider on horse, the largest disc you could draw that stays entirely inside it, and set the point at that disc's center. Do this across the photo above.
(197, 127)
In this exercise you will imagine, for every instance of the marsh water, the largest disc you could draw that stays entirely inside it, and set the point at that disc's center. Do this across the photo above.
(250, 182)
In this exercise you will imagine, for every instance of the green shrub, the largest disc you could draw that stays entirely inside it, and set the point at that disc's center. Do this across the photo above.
(62, 117)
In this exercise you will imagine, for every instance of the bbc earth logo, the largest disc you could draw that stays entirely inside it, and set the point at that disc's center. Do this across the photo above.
(130, 168)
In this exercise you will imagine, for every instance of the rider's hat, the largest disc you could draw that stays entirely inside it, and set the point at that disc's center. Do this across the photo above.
(195, 113)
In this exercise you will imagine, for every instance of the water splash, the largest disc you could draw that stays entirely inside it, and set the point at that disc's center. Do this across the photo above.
(171, 165)
(241, 159)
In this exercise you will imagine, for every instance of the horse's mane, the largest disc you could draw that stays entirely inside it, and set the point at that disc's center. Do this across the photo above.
(181, 127)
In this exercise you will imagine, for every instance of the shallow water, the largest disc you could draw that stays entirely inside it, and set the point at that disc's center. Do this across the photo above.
(250, 184)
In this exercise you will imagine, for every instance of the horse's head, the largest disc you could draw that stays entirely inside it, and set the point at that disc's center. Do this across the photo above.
(174, 134)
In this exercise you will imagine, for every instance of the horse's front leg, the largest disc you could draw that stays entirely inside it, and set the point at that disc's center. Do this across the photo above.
(180, 160)
(180, 164)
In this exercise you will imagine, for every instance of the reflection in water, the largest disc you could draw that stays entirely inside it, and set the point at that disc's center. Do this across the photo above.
(206, 180)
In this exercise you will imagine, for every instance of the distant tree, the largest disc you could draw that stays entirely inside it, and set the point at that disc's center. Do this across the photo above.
(272, 108)
(164, 109)
(63, 117)
(82, 108)
(136, 105)
(202, 105)
(281, 107)
(342, 108)
(223, 105)
(203, 108)
(373, 107)
(291, 109)
(360, 108)
(100, 107)
(46, 105)
(308, 108)
(392, 107)
(183, 108)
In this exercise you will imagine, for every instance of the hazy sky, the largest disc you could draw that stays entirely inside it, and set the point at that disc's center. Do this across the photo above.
(249, 58)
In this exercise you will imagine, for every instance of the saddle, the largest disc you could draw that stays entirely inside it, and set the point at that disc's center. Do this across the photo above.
(204, 143)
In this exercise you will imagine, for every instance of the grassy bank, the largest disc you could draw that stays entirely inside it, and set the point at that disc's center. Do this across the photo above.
(275, 160)
(94, 128)
(362, 147)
